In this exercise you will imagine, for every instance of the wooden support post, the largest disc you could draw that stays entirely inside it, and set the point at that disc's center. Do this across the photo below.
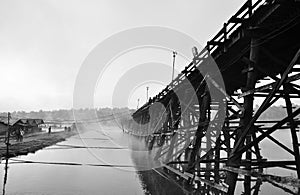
(209, 142)
(268, 132)
(267, 101)
(224, 36)
(204, 104)
(293, 132)
(226, 134)
(257, 150)
(174, 138)
(288, 180)
(250, 8)
(217, 163)
(244, 121)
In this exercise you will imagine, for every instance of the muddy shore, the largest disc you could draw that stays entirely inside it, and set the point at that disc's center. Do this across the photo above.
(33, 142)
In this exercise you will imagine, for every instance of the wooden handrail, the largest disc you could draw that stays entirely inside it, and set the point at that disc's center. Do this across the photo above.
(218, 40)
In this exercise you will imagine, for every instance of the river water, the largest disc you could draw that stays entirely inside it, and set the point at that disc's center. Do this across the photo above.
(98, 162)
(85, 175)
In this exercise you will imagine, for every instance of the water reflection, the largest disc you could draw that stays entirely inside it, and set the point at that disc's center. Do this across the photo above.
(5, 176)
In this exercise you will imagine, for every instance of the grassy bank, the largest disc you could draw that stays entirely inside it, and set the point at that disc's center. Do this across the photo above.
(33, 142)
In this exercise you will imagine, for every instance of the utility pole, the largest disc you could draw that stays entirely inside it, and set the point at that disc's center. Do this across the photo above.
(138, 102)
(174, 56)
(147, 88)
(8, 135)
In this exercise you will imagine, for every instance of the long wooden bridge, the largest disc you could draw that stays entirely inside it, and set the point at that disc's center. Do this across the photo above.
(257, 52)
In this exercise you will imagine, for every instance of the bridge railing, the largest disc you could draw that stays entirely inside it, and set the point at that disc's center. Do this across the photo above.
(241, 17)
(237, 20)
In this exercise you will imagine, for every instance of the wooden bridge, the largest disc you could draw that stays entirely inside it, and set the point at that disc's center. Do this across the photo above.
(257, 52)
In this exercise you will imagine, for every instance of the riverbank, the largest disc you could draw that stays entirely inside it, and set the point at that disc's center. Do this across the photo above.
(33, 142)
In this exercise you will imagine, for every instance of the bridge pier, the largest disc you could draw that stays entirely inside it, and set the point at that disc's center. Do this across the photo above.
(245, 119)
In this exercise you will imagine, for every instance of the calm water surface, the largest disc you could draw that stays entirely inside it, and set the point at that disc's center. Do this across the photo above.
(35, 178)
(87, 175)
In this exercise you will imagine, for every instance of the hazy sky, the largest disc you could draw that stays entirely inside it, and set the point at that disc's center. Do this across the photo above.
(44, 42)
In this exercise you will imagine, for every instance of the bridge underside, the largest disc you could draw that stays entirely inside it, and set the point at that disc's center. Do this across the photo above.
(257, 53)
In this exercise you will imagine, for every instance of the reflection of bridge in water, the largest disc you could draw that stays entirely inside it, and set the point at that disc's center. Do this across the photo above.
(259, 45)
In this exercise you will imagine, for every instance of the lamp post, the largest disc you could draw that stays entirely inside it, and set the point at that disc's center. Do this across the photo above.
(138, 102)
(195, 54)
(147, 88)
(174, 56)
(195, 51)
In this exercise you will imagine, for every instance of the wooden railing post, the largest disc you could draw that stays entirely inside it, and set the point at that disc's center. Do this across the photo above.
(250, 11)
(224, 36)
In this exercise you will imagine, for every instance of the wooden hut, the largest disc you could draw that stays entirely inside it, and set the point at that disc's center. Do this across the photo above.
(3, 128)
(28, 125)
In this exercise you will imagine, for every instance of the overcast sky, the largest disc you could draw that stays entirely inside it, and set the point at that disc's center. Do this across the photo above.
(44, 42)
